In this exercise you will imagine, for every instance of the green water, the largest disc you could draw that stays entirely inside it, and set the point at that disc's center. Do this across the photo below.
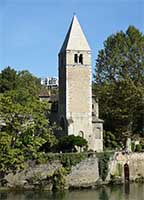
(119, 192)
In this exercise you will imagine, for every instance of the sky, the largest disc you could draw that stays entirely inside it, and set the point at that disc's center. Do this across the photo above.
(32, 31)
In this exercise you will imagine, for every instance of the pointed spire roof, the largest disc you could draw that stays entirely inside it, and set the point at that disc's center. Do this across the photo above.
(75, 38)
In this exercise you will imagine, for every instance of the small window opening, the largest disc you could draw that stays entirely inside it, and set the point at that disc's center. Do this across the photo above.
(76, 58)
(81, 59)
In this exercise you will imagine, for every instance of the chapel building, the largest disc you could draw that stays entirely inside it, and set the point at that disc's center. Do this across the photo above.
(77, 110)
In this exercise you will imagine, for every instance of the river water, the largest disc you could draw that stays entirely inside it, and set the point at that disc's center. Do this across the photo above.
(117, 192)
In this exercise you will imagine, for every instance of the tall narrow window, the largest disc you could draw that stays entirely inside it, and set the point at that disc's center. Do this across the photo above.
(75, 58)
(81, 59)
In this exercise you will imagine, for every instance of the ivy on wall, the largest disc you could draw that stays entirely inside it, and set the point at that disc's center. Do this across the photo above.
(104, 158)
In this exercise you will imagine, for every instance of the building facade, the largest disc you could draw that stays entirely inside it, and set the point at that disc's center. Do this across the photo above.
(50, 82)
(75, 89)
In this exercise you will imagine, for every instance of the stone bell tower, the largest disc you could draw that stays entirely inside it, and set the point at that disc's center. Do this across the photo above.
(75, 92)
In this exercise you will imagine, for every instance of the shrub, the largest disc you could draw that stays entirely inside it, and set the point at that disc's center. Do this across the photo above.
(138, 148)
(69, 143)
(103, 164)
(59, 179)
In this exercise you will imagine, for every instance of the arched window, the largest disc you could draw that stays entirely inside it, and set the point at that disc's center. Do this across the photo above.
(81, 59)
(81, 134)
(75, 58)
(62, 123)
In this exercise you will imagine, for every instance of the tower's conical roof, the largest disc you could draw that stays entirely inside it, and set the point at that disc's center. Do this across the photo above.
(75, 38)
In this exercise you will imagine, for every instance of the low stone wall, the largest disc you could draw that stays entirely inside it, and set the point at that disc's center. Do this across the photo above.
(85, 174)
(126, 165)
(33, 177)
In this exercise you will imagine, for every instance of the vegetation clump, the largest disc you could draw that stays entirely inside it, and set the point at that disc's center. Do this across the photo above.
(103, 162)
(118, 84)
(24, 123)
(71, 143)
(140, 179)
(59, 179)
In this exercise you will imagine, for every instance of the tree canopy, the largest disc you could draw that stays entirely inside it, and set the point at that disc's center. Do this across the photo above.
(7, 79)
(119, 83)
(24, 122)
(71, 143)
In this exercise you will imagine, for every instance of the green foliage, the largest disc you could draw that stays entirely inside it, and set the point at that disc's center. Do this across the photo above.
(138, 148)
(7, 79)
(70, 143)
(121, 57)
(24, 123)
(30, 83)
(103, 164)
(133, 146)
(110, 140)
(71, 159)
(59, 179)
(66, 159)
(10, 159)
(21, 82)
(120, 168)
(115, 177)
(119, 80)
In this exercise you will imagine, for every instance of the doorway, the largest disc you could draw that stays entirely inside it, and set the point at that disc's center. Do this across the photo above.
(126, 172)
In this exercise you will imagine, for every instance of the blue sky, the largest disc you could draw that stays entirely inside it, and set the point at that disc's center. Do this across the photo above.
(32, 31)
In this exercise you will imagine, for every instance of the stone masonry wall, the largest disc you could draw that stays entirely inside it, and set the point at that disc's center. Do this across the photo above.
(78, 88)
(84, 175)
(134, 161)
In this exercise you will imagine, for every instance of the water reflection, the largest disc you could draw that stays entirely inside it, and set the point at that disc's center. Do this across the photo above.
(116, 192)
(103, 195)
(127, 188)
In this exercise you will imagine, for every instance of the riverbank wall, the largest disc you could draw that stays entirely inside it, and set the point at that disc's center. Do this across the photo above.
(89, 172)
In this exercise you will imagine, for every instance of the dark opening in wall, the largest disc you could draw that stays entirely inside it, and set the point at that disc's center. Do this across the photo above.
(81, 59)
(126, 172)
(75, 58)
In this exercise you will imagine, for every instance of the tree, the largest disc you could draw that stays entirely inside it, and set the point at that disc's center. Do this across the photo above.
(24, 122)
(122, 58)
(70, 143)
(7, 79)
(28, 82)
(119, 81)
